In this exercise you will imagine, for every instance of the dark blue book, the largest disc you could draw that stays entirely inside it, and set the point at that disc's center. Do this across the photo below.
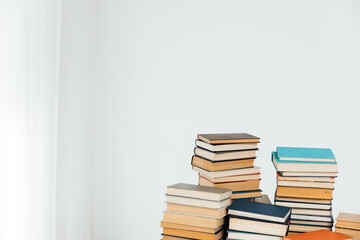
(262, 211)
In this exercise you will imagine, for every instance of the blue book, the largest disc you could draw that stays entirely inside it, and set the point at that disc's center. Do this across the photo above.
(261, 211)
(303, 166)
(305, 154)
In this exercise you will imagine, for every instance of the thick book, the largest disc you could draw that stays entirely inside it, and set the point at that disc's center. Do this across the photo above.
(257, 226)
(197, 202)
(222, 156)
(318, 235)
(303, 166)
(190, 228)
(227, 173)
(301, 192)
(193, 234)
(223, 138)
(305, 184)
(312, 223)
(348, 220)
(311, 218)
(225, 147)
(234, 186)
(347, 231)
(307, 228)
(213, 166)
(234, 235)
(305, 154)
(315, 212)
(193, 220)
(257, 210)
(196, 191)
(210, 212)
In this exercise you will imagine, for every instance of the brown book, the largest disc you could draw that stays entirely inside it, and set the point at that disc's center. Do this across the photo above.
(300, 192)
(314, 223)
(252, 194)
(193, 234)
(197, 221)
(189, 227)
(306, 179)
(347, 231)
(201, 192)
(223, 156)
(303, 200)
(221, 165)
(245, 177)
(210, 212)
(234, 186)
(219, 138)
(348, 220)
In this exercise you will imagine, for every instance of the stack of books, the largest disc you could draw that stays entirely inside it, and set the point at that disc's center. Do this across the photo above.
(349, 224)
(227, 161)
(318, 235)
(195, 212)
(251, 220)
(305, 182)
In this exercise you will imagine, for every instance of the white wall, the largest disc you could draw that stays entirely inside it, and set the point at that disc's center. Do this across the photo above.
(286, 71)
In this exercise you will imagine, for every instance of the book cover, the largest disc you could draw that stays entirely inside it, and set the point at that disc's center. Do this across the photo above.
(298, 153)
(218, 138)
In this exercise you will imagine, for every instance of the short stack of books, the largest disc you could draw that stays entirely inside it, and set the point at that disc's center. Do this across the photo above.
(349, 224)
(318, 235)
(227, 161)
(195, 212)
(251, 220)
(305, 182)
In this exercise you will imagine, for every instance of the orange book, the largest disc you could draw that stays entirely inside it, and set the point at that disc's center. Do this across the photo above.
(192, 234)
(318, 235)
(301, 192)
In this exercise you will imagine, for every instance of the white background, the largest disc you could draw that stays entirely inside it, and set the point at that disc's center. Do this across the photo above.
(285, 71)
(101, 102)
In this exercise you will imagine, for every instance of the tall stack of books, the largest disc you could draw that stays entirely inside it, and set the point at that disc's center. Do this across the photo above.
(305, 182)
(349, 224)
(195, 212)
(318, 235)
(227, 161)
(251, 220)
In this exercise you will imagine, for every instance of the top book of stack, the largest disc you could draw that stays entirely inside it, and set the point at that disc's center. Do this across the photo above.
(228, 138)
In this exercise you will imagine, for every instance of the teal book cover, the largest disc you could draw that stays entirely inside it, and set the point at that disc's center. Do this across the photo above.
(276, 159)
(298, 153)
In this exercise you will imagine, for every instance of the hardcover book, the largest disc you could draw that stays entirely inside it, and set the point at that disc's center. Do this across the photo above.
(221, 138)
(305, 154)
(196, 191)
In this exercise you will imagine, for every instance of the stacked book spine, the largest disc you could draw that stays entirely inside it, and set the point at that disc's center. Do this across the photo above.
(195, 212)
(227, 161)
(249, 220)
(348, 224)
(305, 182)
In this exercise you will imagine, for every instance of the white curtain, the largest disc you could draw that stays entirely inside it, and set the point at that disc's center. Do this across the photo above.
(47, 102)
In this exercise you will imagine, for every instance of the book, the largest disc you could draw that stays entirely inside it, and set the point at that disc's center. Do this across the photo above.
(303, 166)
(305, 184)
(225, 147)
(263, 199)
(300, 192)
(303, 200)
(305, 154)
(307, 228)
(311, 218)
(193, 234)
(197, 202)
(347, 231)
(315, 212)
(250, 236)
(195, 191)
(220, 156)
(224, 138)
(303, 205)
(245, 177)
(307, 174)
(221, 165)
(227, 173)
(306, 179)
(257, 210)
(256, 226)
(246, 194)
(193, 220)
(313, 223)
(190, 228)
(318, 235)
(234, 186)
(210, 212)
(348, 220)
